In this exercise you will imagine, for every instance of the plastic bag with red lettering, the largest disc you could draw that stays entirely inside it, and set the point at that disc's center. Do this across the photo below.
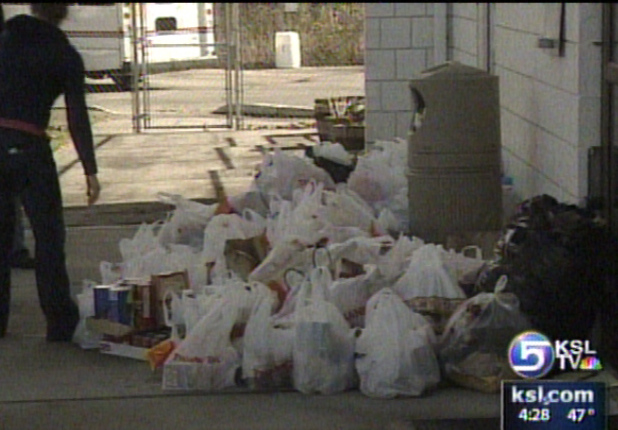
(205, 359)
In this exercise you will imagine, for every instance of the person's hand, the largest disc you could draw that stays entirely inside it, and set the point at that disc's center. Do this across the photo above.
(94, 189)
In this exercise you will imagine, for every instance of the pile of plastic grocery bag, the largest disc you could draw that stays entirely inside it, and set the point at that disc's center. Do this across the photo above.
(307, 283)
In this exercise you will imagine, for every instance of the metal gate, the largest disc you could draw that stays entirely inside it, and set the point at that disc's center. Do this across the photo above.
(168, 93)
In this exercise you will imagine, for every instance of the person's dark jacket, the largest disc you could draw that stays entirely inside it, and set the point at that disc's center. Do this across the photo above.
(37, 65)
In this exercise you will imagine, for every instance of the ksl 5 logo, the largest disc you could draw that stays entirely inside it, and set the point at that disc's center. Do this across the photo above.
(532, 355)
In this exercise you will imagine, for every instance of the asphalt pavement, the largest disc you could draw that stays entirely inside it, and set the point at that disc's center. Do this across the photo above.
(55, 386)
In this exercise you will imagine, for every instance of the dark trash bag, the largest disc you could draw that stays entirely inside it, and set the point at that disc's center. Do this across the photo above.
(555, 256)
(339, 172)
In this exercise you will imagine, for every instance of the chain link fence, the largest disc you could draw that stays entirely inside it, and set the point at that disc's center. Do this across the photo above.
(219, 70)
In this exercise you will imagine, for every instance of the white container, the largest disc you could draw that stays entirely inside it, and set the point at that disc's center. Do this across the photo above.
(287, 50)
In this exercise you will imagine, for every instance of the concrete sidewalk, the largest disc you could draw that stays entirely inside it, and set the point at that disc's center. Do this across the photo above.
(133, 168)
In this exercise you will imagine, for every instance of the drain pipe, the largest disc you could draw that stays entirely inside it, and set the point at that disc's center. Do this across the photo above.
(440, 33)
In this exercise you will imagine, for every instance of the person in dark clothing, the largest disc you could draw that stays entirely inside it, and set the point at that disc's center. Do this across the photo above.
(20, 255)
(37, 65)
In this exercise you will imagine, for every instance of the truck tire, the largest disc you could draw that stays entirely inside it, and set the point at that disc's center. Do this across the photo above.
(122, 81)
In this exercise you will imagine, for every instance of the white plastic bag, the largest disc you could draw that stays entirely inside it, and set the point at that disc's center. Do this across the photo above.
(350, 295)
(334, 152)
(393, 264)
(205, 359)
(252, 200)
(472, 347)
(379, 178)
(186, 223)
(460, 264)
(343, 209)
(85, 301)
(395, 355)
(334, 234)
(303, 220)
(427, 287)
(257, 343)
(110, 272)
(281, 174)
(225, 227)
(388, 222)
(143, 241)
(294, 283)
(267, 351)
(287, 254)
(184, 257)
(360, 250)
(323, 342)
(189, 307)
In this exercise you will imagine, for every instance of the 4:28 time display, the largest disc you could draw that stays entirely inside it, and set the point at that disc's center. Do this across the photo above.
(534, 414)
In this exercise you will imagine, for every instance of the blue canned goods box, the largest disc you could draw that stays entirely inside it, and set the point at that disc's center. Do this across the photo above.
(121, 304)
(101, 301)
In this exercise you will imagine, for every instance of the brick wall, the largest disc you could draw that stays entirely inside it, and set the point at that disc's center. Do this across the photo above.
(399, 44)
(464, 33)
(550, 106)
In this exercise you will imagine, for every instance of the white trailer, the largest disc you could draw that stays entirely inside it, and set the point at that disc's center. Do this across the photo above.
(101, 32)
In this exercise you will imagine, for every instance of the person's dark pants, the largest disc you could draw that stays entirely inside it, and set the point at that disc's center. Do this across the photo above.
(28, 169)
(19, 237)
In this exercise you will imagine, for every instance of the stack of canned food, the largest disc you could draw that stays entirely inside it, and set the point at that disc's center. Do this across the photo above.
(132, 308)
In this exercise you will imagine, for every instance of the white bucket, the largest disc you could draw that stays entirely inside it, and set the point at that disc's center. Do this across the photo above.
(287, 49)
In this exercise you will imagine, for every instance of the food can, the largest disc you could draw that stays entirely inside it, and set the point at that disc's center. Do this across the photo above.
(101, 301)
(125, 305)
(112, 312)
(120, 305)
(145, 305)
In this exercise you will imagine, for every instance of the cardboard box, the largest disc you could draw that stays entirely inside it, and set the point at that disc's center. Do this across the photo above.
(123, 350)
(164, 282)
(145, 306)
(107, 327)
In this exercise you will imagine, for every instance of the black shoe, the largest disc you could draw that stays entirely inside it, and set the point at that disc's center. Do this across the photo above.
(62, 332)
(22, 260)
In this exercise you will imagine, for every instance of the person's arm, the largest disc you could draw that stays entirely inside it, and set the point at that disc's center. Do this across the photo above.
(79, 123)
